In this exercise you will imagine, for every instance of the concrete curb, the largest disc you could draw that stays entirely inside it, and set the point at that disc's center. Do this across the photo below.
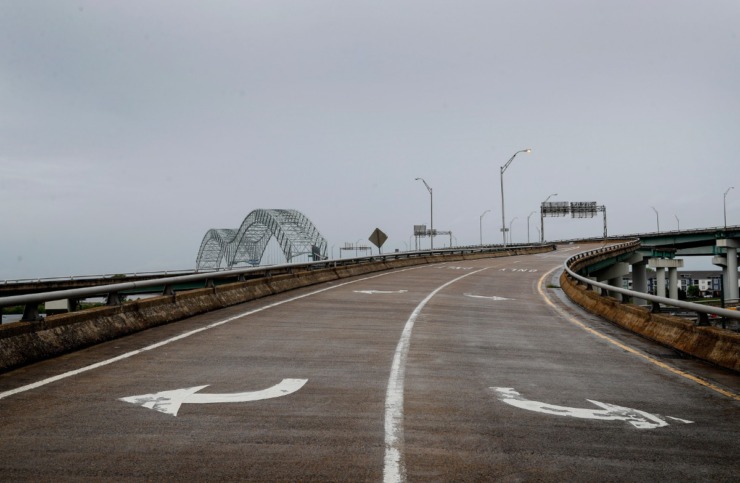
(23, 343)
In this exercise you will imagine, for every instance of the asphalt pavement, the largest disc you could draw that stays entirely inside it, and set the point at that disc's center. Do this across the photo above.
(465, 371)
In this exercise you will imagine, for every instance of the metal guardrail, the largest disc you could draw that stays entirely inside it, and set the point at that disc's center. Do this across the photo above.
(32, 301)
(690, 306)
(94, 277)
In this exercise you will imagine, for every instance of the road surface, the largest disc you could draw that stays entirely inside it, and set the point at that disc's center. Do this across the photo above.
(464, 371)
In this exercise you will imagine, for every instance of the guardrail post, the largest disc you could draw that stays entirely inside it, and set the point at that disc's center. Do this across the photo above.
(703, 319)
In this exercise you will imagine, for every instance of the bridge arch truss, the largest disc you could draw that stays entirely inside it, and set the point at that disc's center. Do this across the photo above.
(292, 230)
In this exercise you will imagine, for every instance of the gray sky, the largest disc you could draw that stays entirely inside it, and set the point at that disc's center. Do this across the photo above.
(129, 128)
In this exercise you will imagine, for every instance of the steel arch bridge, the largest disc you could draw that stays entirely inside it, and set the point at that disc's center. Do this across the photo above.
(294, 232)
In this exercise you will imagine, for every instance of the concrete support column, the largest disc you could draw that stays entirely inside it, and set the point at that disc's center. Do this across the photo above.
(731, 278)
(613, 276)
(594, 287)
(615, 282)
(673, 283)
(721, 261)
(660, 264)
(660, 281)
(639, 278)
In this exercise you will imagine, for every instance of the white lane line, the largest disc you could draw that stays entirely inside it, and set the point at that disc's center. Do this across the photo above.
(127, 355)
(393, 470)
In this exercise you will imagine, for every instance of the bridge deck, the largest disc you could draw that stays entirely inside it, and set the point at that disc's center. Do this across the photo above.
(468, 371)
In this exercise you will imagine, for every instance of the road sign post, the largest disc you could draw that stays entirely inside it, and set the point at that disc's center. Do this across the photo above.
(377, 238)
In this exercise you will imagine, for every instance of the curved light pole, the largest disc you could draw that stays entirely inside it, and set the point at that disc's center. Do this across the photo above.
(431, 212)
(510, 223)
(481, 225)
(657, 217)
(678, 222)
(542, 219)
(528, 225)
(724, 204)
(503, 169)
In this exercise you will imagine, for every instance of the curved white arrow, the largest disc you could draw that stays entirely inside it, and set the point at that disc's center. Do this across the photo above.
(609, 412)
(169, 402)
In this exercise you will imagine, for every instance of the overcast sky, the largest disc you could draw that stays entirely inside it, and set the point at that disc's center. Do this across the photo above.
(129, 128)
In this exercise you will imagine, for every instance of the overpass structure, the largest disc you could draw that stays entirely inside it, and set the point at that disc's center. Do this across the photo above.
(665, 252)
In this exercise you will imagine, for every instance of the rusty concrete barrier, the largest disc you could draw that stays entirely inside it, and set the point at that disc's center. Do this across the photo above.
(720, 347)
(22, 343)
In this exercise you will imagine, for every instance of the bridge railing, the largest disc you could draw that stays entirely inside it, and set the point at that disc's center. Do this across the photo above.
(124, 275)
(581, 260)
(208, 278)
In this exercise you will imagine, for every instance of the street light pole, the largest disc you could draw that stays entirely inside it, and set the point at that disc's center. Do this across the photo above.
(510, 223)
(724, 204)
(503, 169)
(481, 226)
(657, 217)
(431, 213)
(528, 216)
(678, 222)
(542, 219)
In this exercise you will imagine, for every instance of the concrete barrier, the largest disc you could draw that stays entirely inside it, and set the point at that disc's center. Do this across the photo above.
(720, 347)
(22, 343)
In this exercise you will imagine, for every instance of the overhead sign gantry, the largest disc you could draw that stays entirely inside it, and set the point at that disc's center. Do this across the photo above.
(576, 209)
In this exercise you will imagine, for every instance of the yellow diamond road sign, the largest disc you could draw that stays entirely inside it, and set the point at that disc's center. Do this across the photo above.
(378, 238)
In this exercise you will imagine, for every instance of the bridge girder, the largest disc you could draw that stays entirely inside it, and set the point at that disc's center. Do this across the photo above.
(294, 232)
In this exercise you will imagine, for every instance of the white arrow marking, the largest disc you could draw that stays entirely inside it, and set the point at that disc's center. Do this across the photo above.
(610, 412)
(494, 297)
(169, 402)
(371, 292)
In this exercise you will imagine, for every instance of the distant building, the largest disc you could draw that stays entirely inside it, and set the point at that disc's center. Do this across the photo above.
(709, 282)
